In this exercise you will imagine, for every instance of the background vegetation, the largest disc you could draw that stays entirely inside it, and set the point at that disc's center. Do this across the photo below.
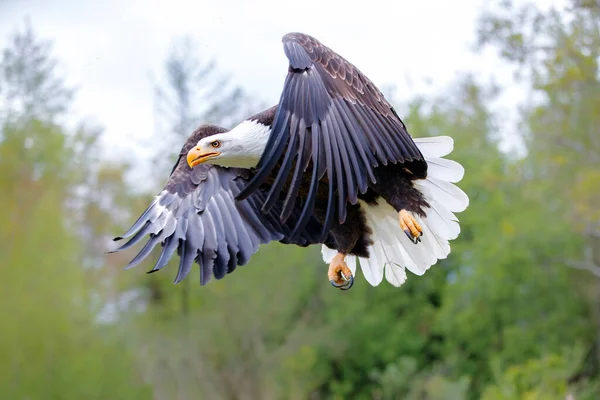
(513, 313)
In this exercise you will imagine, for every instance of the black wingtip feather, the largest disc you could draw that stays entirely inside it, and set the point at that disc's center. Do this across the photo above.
(152, 271)
(143, 219)
(135, 239)
(144, 252)
(169, 246)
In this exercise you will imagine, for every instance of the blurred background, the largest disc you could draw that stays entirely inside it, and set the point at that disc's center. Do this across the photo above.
(96, 98)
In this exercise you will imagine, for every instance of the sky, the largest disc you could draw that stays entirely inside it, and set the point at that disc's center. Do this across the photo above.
(110, 50)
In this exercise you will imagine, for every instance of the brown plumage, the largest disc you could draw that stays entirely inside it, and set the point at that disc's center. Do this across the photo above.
(197, 215)
(333, 127)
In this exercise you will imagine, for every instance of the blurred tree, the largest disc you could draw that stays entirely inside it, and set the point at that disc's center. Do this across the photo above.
(28, 85)
(559, 51)
(50, 345)
(194, 93)
(544, 378)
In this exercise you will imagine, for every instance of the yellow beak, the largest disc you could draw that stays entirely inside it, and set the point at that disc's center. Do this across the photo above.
(196, 156)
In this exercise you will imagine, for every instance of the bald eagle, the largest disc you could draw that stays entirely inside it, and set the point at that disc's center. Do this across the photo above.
(332, 164)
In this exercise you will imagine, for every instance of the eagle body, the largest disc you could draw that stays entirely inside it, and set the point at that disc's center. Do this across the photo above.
(331, 164)
(392, 184)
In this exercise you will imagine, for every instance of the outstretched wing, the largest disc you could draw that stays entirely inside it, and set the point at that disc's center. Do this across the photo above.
(334, 120)
(196, 214)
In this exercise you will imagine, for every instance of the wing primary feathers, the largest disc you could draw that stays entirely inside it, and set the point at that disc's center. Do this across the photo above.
(389, 138)
(196, 232)
(347, 167)
(323, 150)
(209, 248)
(274, 140)
(341, 195)
(332, 182)
(328, 214)
(351, 164)
(229, 226)
(367, 137)
(168, 249)
(135, 239)
(286, 166)
(233, 259)
(197, 215)
(383, 148)
(244, 243)
(143, 220)
(352, 191)
(185, 262)
(308, 138)
(222, 259)
(290, 199)
(271, 220)
(396, 141)
(409, 143)
(312, 193)
(252, 222)
(332, 98)
(373, 137)
(150, 244)
(360, 144)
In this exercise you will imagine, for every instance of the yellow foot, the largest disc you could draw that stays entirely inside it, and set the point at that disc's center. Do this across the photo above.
(410, 226)
(339, 274)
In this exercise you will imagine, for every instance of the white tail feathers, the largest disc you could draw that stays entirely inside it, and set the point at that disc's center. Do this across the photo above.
(392, 251)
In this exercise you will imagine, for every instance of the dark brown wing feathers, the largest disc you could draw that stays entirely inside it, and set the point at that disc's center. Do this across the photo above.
(196, 214)
(333, 127)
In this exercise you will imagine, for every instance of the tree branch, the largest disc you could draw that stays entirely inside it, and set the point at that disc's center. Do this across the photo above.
(587, 264)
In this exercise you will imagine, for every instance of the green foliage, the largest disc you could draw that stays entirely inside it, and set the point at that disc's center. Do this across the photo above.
(401, 380)
(50, 345)
(28, 83)
(543, 378)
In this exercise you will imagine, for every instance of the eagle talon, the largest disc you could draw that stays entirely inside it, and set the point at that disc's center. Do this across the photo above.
(339, 274)
(345, 285)
(348, 283)
(409, 235)
(410, 226)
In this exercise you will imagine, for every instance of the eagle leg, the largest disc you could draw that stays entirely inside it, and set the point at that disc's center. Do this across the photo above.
(410, 226)
(339, 274)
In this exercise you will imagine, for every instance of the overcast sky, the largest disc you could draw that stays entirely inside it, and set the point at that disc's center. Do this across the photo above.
(109, 49)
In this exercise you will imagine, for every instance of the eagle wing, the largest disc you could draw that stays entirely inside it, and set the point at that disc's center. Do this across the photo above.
(333, 119)
(196, 214)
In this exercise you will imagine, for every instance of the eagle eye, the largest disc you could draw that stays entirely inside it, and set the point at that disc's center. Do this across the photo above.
(216, 144)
